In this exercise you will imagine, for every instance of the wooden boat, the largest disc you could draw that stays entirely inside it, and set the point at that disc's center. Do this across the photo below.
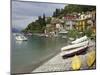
(73, 52)
(73, 46)
(84, 38)
(91, 58)
(76, 63)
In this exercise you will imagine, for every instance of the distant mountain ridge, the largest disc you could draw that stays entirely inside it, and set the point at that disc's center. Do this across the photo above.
(15, 30)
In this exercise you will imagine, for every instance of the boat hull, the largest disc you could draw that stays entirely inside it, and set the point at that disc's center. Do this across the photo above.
(76, 63)
(77, 51)
(19, 38)
(84, 38)
(82, 44)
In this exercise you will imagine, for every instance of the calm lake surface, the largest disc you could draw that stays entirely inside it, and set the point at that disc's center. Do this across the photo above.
(26, 54)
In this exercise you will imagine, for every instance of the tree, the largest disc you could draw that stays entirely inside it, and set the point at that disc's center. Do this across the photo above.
(48, 21)
(56, 13)
(40, 24)
(44, 22)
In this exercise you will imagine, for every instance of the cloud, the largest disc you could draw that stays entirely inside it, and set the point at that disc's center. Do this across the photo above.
(25, 12)
(22, 22)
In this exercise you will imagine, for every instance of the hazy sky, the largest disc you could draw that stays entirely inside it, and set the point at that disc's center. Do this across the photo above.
(25, 12)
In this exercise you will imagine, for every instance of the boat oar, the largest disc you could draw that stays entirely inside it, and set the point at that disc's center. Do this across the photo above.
(91, 58)
(76, 63)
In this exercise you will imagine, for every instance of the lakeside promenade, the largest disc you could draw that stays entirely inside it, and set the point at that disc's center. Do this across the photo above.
(57, 63)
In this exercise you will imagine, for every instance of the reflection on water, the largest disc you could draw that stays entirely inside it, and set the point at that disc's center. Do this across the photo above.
(34, 50)
(19, 42)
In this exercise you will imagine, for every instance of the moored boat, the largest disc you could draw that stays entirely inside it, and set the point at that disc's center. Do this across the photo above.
(21, 37)
(71, 39)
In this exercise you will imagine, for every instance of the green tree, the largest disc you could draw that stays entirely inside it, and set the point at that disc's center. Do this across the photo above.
(56, 13)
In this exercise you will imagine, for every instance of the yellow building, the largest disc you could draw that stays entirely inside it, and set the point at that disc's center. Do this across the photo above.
(81, 25)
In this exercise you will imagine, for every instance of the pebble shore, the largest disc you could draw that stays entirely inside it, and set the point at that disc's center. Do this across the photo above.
(57, 63)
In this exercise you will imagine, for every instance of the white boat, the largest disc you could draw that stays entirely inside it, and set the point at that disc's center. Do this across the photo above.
(73, 46)
(73, 52)
(21, 37)
(71, 39)
(84, 38)
(46, 35)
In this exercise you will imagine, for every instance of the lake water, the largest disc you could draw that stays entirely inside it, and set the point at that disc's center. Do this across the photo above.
(25, 55)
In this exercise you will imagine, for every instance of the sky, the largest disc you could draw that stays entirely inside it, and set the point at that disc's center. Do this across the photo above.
(24, 13)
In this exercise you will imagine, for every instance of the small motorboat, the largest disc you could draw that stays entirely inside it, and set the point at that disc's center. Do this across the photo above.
(71, 39)
(21, 37)
(76, 63)
(91, 57)
(74, 46)
(75, 51)
(29, 34)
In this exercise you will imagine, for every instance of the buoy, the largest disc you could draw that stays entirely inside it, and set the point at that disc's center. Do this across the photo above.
(91, 58)
(76, 63)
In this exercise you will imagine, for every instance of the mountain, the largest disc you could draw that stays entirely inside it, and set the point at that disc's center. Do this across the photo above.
(15, 30)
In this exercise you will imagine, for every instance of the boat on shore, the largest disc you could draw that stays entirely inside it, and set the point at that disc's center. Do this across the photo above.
(73, 46)
(76, 63)
(91, 57)
(84, 38)
(20, 37)
(72, 52)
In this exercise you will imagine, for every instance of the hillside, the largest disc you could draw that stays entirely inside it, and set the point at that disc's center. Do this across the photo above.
(39, 25)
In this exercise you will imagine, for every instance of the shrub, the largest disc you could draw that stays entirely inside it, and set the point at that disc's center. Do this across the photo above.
(73, 33)
(88, 32)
